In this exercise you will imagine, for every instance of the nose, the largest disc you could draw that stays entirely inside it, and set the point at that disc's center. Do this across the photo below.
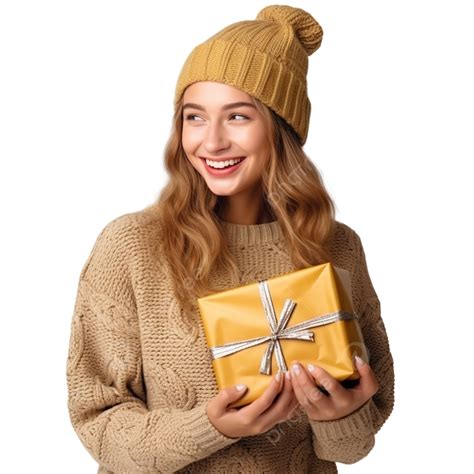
(216, 138)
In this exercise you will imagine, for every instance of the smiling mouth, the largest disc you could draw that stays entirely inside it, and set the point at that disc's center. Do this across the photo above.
(241, 158)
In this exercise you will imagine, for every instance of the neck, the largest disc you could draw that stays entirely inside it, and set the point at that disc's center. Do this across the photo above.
(245, 210)
(249, 217)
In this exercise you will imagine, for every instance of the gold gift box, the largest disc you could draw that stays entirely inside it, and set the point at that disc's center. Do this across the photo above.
(307, 315)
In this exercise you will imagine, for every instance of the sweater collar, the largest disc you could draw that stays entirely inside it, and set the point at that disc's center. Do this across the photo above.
(252, 234)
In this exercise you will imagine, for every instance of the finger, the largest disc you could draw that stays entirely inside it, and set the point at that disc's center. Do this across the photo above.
(326, 380)
(368, 381)
(225, 397)
(258, 406)
(281, 405)
(294, 404)
(293, 400)
(286, 395)
(306, 391)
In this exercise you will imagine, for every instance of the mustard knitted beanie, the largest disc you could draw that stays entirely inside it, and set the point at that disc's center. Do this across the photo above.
(267, 58)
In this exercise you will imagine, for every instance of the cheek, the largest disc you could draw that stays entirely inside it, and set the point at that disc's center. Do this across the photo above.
(258, 143)
(189, 140)
(262, 154)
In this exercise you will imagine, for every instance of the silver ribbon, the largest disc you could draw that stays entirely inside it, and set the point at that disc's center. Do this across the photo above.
(279, 331)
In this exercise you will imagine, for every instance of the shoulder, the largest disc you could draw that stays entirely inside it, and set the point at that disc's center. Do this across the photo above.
(127, 229)
(348, 252)
(120, 243)
(346, 244)
(131, 223)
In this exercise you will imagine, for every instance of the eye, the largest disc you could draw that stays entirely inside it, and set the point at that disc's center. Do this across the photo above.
(239, 115)
(188, 117)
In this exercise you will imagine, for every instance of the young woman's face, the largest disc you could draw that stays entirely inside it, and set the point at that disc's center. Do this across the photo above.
(220, 123)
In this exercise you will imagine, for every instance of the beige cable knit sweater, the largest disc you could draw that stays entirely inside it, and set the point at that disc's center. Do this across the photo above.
(139, 377)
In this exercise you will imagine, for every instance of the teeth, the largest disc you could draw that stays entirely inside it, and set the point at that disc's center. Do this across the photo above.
(223, 164)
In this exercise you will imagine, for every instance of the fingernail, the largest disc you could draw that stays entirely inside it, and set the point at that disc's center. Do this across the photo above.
(288, 375)
(296, 369)
(278, 376)
(359, 362)
(311, 368)
(240, 387)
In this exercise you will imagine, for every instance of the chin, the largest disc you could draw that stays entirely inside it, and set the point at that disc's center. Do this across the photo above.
(220, 192)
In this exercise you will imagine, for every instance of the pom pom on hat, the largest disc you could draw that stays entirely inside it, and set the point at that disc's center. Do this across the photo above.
(307, 29)
(267, 58)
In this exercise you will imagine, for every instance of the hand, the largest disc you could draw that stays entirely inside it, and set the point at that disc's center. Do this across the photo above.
(276, 404)
(340, 401)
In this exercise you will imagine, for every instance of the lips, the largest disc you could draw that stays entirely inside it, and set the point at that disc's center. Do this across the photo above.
(223, 171)
(224, 159)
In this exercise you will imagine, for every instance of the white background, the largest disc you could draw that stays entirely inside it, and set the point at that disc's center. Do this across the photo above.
(86, 93)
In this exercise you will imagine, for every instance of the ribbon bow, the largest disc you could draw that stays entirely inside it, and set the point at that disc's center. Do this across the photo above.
(278, 331)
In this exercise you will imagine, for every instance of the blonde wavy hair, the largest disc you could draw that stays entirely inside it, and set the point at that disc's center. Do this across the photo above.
(193, 241)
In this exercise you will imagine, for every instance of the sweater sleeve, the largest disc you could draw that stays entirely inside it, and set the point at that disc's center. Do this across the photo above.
(351, 438)
(106, 391)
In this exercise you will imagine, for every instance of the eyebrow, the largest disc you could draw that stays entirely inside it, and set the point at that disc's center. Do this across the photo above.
(225, 107)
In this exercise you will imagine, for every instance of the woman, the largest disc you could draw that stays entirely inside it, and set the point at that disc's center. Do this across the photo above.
(243, 203)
